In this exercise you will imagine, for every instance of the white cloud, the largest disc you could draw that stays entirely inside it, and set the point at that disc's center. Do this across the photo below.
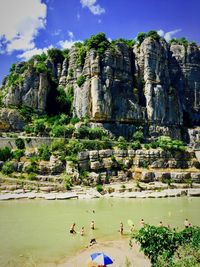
(35, 51)
(71, 35)
(168, 35)
(67, 44)
(57, 32)
(96, 9)
(21, 21)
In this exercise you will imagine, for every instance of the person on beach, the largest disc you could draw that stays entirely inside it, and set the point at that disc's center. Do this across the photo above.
(72, 229)
(82, 231)
(160, 224)
(121, 228)
(186, 223)
(92, 225)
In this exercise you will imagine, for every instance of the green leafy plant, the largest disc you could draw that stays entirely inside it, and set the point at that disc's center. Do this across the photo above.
(5, 154)
(20, 144)
(80, 81)
(8, 168)
(99, 188)
(17, 154)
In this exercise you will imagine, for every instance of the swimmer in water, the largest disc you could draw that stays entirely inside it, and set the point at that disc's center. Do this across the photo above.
(72, 229)
(82, 231)
(92, 225)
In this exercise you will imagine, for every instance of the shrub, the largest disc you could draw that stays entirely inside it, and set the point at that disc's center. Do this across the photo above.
(20, 144)
(99, 188)
(32, 176)
(136, 145)
(98, 42)
(58, 145)
(122, 143)
(41, 67)
(67, 181)
(166, 143)
(65, 99)
(164, 242)
(32, 168)
(81, 79)
(5, 154)
(44, 152)
(17, 154)
(58, 131)
(81, 54)
(138, 136)
(140, 37)
(55, 54)
(8, 168)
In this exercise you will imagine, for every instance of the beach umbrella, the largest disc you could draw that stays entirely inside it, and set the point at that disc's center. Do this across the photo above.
(101, 258)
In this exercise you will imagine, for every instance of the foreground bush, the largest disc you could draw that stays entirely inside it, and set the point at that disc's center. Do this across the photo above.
(161, 244)
(8, 168)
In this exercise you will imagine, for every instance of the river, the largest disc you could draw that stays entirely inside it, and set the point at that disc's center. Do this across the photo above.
(36, 232)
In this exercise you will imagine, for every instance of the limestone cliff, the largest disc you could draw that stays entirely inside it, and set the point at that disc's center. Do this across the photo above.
(155, 84)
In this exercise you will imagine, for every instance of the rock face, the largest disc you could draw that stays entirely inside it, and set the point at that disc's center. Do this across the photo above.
(155, 84)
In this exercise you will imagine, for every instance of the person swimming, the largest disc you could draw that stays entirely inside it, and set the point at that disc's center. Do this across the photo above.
(72, 229)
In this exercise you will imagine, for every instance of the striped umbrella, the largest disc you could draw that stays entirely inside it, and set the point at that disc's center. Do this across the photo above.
(101, 258)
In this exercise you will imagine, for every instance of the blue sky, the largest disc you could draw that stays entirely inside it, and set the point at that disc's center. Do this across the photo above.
(28, 27)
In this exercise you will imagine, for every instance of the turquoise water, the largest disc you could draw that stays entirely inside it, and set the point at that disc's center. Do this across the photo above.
(36, 232)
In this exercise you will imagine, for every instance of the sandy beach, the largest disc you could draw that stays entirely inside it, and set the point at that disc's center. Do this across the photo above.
(119, 251)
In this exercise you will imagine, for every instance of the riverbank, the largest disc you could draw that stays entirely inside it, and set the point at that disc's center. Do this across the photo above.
(120, 252)
(90, 193)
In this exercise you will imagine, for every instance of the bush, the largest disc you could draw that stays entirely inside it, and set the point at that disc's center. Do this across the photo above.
(5, 154)
(159, 242)
(98, 42)
(136, 145)
(8, 168)
(58, 145)
(67, 181)
(81, 79)
(20, 144)
(32, 168)
(140, 37)
(17, 154)
(138, 136)
(166, 143)
(99, 188)
(44, 152)
(32, 176)
(122, 143)
(56, 55)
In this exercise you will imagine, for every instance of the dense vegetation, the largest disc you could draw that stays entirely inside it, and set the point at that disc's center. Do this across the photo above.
(167, 247)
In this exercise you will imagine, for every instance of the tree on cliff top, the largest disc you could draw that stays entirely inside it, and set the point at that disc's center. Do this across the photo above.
(98, 42)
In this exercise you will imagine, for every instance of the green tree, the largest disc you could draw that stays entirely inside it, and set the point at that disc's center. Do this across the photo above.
(20, 144)
(140, 37)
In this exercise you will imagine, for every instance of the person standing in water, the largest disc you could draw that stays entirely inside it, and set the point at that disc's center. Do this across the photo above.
(92, 225)
(82, 231)
(186, 223)
(121, 229)
(142, 222)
